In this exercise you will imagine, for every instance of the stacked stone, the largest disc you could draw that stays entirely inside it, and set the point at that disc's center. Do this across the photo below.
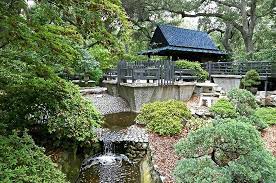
(131, 134)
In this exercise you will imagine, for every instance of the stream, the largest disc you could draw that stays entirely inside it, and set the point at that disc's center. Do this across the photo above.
(111, 164)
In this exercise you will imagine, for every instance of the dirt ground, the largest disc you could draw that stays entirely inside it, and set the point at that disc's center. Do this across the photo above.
(164, 156)
(269, 136)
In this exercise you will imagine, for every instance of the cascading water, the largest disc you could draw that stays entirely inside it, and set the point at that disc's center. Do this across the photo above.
(109, 167)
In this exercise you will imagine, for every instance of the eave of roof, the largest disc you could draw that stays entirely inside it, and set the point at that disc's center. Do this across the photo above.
(165, 49)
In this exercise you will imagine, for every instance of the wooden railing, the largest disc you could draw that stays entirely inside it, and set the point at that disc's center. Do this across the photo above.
(164, 72)
(264, 68)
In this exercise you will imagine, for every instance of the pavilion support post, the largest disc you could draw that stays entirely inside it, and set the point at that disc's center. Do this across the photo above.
(266, 85)
(210, 69)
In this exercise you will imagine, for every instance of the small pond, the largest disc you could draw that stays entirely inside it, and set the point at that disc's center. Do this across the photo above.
(119, 121)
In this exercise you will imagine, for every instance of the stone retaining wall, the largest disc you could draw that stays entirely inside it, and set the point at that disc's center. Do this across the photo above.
(137, 94)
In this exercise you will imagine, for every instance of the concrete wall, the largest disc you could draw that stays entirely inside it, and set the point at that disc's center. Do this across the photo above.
(138, 94)
(227, 82)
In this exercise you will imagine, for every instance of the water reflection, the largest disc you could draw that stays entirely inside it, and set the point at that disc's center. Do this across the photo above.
(119, 121)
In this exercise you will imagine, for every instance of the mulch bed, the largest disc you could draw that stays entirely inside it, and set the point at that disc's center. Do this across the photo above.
(164, 156)
(269, 136)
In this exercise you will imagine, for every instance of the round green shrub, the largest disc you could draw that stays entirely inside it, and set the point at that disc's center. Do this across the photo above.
(164, 118)
(268, 114)
(223, 108)
(195, 66)
(251, 78)
(243, 100)
(229, 151)
(22, 161)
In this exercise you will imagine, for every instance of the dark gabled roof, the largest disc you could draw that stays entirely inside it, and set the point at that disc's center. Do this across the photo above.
(180, 37)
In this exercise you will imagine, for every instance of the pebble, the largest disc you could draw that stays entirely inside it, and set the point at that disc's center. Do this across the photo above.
(107, 104)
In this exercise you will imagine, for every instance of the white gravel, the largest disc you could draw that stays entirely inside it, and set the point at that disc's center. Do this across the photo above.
(107, 104)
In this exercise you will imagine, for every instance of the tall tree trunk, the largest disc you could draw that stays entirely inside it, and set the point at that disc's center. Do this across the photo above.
(227, 36)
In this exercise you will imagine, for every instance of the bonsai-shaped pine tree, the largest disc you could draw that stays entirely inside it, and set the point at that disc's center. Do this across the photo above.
(229, 151)
(251, 78)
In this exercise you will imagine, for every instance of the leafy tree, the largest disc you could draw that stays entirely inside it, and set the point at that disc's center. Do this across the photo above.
(22, 161)
(40, 42)
(194, 66)
(228, 151)
(227, 15)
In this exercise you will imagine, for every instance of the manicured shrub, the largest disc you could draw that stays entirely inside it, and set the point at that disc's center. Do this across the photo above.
(251, 78)
(195, 66)
(223, 108)
(22, 161)
(268, 114)
(244, 101)
(228, 151)
(164, 118)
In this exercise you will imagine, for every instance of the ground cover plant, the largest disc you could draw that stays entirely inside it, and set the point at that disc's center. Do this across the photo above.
(267, 114)
(164, 117)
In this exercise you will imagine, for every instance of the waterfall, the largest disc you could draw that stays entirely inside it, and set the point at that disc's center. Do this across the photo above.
(109, 167)
(108, 147)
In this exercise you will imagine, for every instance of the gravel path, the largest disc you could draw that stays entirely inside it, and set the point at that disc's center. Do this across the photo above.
(108, 104)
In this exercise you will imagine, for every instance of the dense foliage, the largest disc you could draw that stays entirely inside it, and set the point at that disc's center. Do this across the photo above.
(268, 114)
(22, 161)
(194, 66)
(223, 108)
(40, 45)
(251, 78)
(243, 100)
(245, 113)
(227, 151)
(164, 118)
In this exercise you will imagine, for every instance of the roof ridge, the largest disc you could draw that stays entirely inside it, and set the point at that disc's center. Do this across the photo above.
(173, 26)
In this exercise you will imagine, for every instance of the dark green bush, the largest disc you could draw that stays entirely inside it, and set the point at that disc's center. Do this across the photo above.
(164, 118)
(268, 114)
(228, 151)
(53, 103)
(22, 161)
(223, 108)
(254, 120)
(243, 100)
(195, 66)
(251, 78)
